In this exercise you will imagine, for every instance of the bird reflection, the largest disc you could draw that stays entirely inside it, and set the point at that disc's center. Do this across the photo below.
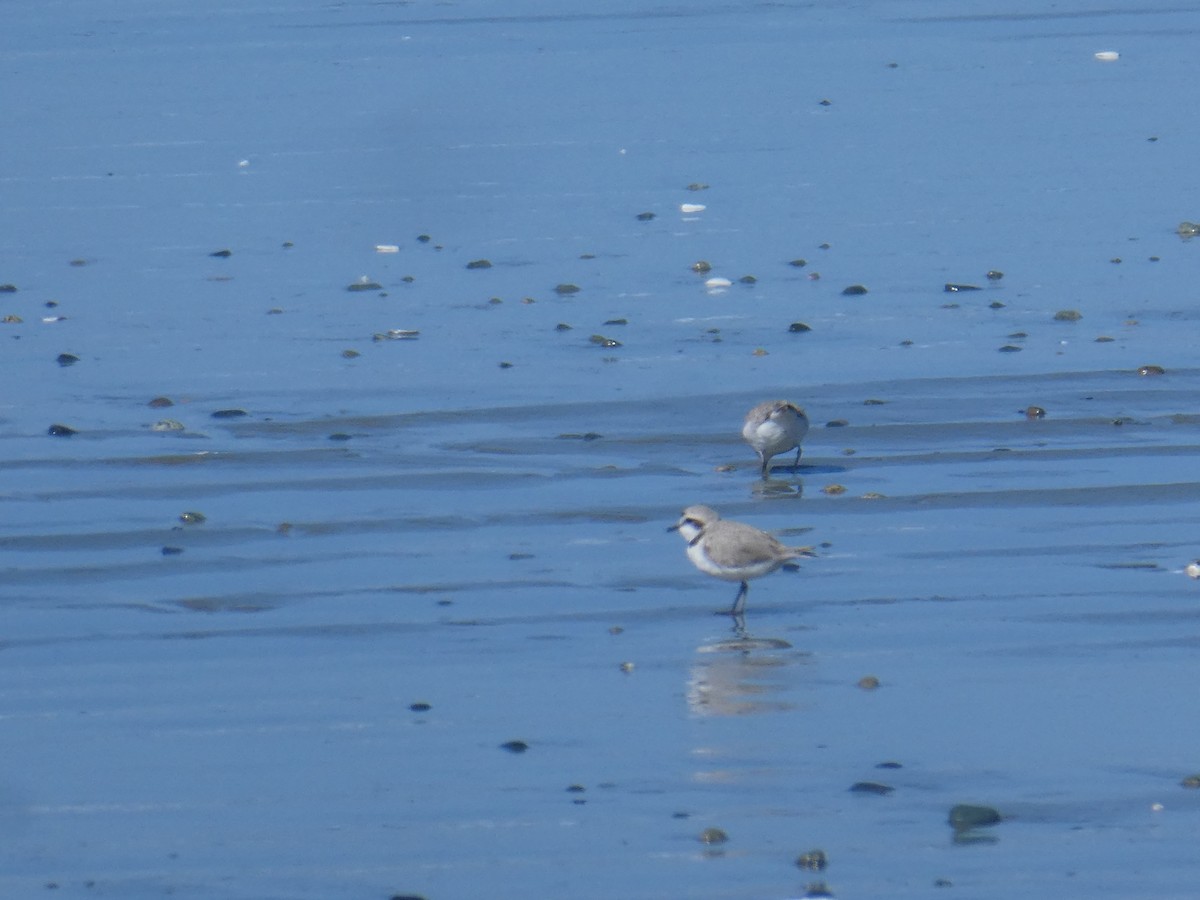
(741, 675)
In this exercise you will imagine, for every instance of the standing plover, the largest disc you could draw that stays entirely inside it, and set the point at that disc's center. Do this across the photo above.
(775, 427)
(732, 551)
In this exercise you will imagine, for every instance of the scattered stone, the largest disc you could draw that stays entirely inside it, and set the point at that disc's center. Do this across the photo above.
(813, 860)
(171, 551)
(1104, 339)
(955, 288)
(1009, 348)
(586, 436)
(1116, 260)
(645, 216)
(817, 889)
(229, 414)
(161, 403)
(868, 682)
(617, 322)
(836, 423)
(506, 365)
(871, 787)
(350, 354)
(701, 266)
(697, 186)
(604, 341)
(833, 490)
(562, 326)
(479, 264)
(890, 764)
(994, 275)
(514, 746)
(12, 319)
(66, 359)
(712, 836)
(855, 290)
(874, 402)
(193, 518)
(1034, 412)
(799, 328)
(1185, 229)
(396, 334)
(825, 103)
(995, 304)
(8, 288)
(965, 816)
(221, 254)
(718, 284)
(364, 284)
(1151, 370)
(566, 289)
(1068, 315)
(340, 436)
(424, 238)
(798, 263)
(167, 425)
(748, 279)
(759, 351)
(420, 706)
(61, 430)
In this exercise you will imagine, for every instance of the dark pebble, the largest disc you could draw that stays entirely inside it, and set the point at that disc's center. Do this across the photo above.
(955, 288)
(836, 423)
(514, 746)
(406, 897)
(229, 414)
(1009, 348)
(748, 279)
(645, 217)
(617, 322)
(712, 836)
(1191, 782)
(506, 365)
(586, 436)
(566, 288)
(193, 518)
(965, 816)
(1034, 412)
(8, 288)
(604, 341)
(1151, 370)
(702, 266)
(340, 436)
(364, 286)
(889, 764)
(995, 275)
(854, 290)
(61, 430)
(871, 787)
(66, 359)
(420, 707)
(222, 254)
(799, 328)
(575, 789)
(424, 238)
(813, 860)
(160, 403)
(798, 263)
(818, 889)
(995, 304)
(479, 264)
(1068, 315)
(171, 551)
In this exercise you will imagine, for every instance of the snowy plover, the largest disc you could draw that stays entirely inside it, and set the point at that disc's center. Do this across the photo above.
(732, 551)
(775, 427)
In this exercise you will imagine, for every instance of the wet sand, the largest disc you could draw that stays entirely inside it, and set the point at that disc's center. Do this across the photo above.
(412, 556)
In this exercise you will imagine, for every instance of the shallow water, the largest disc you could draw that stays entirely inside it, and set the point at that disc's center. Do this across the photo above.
(418, 524)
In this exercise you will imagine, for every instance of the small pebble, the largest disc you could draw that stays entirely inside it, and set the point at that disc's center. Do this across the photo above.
(1151, 370)
(61, 430)
(813, 860)
(171, 551)
(871, 787)
(994, 275)
(955, 288)
(966, 816)
(645, 216)
(868, 682)
(1068, 315)
(221, 254)
(712, 836)
(702, 266)
(160, 403)
(364, 284)
(229, 414)
(1034, 412)
(833, 489)
(604, 341)
(479, 264)
(514, 746)
(167, 425)
(420, 706)
(192, 518)
(854, 290)
(799, 328)
(566, 288)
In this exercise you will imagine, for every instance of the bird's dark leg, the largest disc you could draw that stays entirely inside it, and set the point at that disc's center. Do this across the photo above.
(739, 602)
(797, 466)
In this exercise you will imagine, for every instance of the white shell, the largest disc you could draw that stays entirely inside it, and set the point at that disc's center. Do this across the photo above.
(1108, 55)
(718, 283)
(387, 248)
(691, 207)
